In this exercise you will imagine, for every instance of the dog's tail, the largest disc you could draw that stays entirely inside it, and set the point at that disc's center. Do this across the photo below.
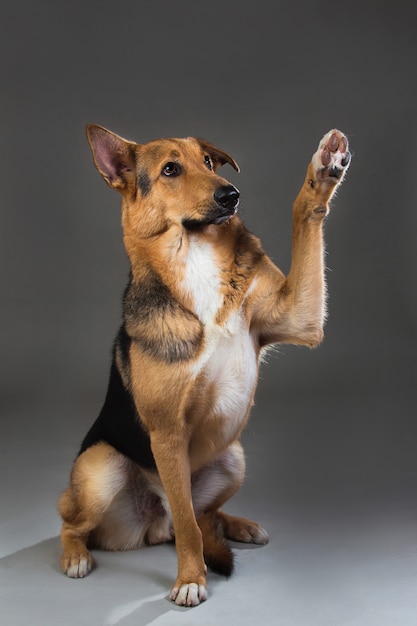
(217, 554)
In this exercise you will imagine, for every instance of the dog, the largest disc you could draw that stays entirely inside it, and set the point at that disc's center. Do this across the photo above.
(203, 301)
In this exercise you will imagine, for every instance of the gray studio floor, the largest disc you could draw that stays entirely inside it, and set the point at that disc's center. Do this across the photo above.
(343, 535)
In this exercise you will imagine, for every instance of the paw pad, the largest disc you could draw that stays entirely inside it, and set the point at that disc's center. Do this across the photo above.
(332, 157)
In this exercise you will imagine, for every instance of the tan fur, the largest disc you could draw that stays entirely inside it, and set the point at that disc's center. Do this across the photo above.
(192, 365)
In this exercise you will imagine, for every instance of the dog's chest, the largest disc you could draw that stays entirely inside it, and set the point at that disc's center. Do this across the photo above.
(202, 280)
(228, 360)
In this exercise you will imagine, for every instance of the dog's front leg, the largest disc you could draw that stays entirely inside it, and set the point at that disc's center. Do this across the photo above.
(171, 456)
(306, 278)
(293, 310)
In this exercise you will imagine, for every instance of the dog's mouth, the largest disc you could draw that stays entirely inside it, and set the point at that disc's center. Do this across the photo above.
(223, 219)
(217, 217)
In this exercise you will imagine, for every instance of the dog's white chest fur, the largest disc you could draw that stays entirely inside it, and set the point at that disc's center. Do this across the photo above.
(202, 280)
(229, 359)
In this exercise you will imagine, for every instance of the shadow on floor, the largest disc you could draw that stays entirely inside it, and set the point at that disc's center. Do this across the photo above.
(125, 588)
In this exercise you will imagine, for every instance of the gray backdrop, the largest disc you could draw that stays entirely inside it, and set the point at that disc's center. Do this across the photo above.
(264, 81)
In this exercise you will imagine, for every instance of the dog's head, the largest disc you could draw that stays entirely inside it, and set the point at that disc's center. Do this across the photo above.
(165, 182)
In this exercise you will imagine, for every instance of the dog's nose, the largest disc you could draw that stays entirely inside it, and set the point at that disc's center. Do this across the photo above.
(227, 197)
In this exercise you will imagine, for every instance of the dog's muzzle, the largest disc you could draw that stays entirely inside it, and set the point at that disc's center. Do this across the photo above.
(226, 198)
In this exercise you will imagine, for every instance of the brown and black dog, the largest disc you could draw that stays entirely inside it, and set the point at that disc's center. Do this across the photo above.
(202, 303)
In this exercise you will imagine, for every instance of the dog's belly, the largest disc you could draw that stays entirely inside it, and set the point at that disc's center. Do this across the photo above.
(232, 369)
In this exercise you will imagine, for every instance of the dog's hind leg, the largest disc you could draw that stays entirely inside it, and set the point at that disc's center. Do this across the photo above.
(212, 486)
(98, 475)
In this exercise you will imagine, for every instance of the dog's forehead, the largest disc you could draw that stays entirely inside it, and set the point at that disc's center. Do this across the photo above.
(171, 149)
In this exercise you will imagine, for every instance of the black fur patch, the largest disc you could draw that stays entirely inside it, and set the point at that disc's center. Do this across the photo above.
(162, 327)
(215, 215)
(120, 426)
(195, 225)
(144, 182)
(222, 561)
(122, 346)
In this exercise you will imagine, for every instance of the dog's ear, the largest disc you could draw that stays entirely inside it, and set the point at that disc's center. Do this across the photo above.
(219, 157)
(114, 157)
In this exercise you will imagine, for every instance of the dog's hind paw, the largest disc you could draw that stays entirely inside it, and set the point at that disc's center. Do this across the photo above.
(248, 532)
(332, 157)
(243, 530)
(189, 594)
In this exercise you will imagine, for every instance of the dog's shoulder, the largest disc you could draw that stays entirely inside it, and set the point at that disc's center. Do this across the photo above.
(161, 326)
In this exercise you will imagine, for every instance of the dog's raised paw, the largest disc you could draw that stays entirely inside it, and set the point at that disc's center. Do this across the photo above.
(189, 594)
(332, 157)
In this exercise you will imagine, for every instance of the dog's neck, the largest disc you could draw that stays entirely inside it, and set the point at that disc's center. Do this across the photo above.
(208, 271)
(167, 252)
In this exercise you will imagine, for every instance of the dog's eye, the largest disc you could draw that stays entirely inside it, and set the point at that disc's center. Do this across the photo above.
(171, 169)
(208, 162)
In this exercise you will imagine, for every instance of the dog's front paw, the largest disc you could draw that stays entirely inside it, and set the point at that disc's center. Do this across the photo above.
(77, 564)
(332, 158)
(188, 594)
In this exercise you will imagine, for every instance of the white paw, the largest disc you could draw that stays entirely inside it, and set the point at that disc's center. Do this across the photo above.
(189, 594)
(78, 567)
(332, 158)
